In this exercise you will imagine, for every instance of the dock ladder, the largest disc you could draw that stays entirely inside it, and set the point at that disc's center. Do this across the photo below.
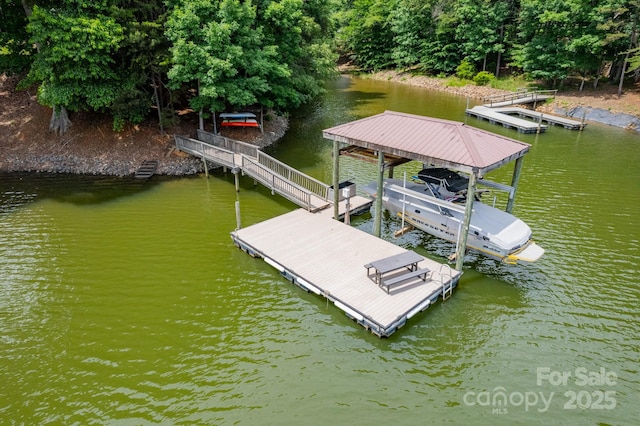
(447, 285)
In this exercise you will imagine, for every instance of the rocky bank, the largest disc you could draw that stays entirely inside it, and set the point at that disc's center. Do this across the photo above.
(92, 147)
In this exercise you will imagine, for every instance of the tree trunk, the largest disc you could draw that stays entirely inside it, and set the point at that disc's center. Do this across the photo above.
(598, 74)
(156, 94)
(60, 122)
(28, 9)
(624, 67)
(499, 52)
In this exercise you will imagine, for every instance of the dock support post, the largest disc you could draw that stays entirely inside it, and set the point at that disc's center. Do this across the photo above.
(238, 215)
(584, 114)
(236, 178)
(206, 168)
(464, 232)
(347, 207)
(336, 180)
(514, 183)
(539, 123)
(377, 223)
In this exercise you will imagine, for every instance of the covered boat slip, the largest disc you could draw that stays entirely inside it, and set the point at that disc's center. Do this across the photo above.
(331, 259)
(431, 141)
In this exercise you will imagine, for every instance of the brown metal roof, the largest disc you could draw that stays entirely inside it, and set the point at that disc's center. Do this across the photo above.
(430, 140)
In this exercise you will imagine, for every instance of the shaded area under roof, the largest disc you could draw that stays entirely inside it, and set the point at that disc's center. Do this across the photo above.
(443, 143)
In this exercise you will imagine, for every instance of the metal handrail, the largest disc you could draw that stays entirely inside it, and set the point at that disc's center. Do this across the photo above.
(229, 144)
(446, 288)
(313, 185)
(204, 150)
(276, 182)
(279, 177)
(518, 95)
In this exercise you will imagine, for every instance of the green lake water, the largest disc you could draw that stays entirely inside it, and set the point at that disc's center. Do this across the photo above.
(125, 302)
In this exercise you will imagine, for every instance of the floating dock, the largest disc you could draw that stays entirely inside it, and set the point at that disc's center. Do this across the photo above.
(567, 123)
(327, 257)
(496, 117)
(505, 117)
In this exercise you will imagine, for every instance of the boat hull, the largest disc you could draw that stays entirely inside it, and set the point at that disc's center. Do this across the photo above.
(493, 233)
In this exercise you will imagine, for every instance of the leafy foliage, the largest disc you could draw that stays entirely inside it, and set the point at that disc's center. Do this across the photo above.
(123, 57)
(16, 52)
(75, 63)
(366, 33)
(483, 78)
(466, 70)
(547, 39)
(272, 54)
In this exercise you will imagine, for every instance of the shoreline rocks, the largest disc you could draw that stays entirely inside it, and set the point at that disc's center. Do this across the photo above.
(598, 115)
(91, 148)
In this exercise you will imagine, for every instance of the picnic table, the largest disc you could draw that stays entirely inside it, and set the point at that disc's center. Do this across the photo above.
(408, 259)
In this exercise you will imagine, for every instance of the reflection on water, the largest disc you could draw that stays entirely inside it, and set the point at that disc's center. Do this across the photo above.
(126, 302)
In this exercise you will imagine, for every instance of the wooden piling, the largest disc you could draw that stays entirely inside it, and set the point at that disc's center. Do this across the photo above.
(206, 167)
(238, 215)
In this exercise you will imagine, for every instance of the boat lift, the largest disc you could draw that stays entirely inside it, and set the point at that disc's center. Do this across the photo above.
(442, 143)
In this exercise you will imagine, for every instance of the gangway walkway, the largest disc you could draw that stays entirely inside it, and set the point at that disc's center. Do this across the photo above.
(247, 159)
(519, 97)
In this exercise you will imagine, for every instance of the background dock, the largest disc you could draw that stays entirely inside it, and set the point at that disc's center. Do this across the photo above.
(494, 117)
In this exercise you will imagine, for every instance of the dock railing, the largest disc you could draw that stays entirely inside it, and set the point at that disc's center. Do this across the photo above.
(277, 183)
(294, 185)
(535, 96)
(229, 144)
(201, 149)
(320, 189)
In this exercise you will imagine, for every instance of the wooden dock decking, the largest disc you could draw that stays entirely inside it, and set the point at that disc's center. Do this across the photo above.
(494, 116)
(327, 257)
(567, 123)
(504, 117)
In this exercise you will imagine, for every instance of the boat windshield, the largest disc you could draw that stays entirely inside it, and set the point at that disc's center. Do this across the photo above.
(450, 180)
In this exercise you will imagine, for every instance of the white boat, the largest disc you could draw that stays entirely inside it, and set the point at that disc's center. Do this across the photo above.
(435, 203)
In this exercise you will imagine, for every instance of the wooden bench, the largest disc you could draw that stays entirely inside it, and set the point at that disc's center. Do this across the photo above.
(404, 277)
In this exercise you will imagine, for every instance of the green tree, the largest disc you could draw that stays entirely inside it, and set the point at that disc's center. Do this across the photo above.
(546, 27)
(366, 33)
(480, 28)
(143, 61)
(620, 21)
(74, 65)
(101, 56)
(240, 54)
(412, 25)
(442, 53)
(301, 31)
(16, 51)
